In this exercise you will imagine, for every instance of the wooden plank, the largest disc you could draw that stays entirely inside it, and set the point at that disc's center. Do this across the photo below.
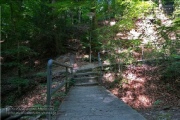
(58, 87)
(62, 64)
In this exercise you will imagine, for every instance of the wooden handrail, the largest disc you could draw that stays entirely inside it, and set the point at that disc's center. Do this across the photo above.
(62, 64)
(50, 91)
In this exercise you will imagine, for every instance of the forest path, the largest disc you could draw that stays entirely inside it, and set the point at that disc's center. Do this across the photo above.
(90, 101)
(95, 103)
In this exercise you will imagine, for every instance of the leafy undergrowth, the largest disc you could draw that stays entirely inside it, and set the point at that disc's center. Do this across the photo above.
(141, 87)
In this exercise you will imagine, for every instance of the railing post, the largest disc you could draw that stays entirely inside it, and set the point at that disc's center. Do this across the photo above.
(66, 86)
(49, 82)
(50, 91)
(72, 60)
(100, 65)
(99, 60)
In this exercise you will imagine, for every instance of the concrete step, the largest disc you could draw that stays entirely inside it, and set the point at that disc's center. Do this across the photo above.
(86, 74)
(90, 83)
(85, 78)
(86, 81)
(85, 70)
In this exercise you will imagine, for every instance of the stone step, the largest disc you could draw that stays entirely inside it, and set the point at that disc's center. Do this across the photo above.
(86, 74)
(86, 83)
(85, 70)
(85, 78)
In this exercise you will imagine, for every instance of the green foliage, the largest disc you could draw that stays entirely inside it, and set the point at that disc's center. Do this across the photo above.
(19, 81)
(123, 81)
(172, 72)
(119, 81)
(10, 100)
(38, 105)
(41, 74)
(57, 94)
(133, 10)
(164, 116)
(23, 51)
(157, 102)
(69, 4)
(177, 8)
(56, 105)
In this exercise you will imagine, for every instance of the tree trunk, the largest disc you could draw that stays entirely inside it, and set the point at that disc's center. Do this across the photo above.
(160, 4)
(79, 15)
(16, 38)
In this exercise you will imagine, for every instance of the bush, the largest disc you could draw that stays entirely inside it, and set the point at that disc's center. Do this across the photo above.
(172, 73)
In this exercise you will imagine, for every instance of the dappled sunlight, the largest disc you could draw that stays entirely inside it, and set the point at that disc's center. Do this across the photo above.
(172, 36)
(134, 94)
(33, 97)
(106, 62)
(1, 59)
(142, 100)
(115, 91)
(109, 77)
(38, 96)
(136, 98)
(137, 87)
(37, 62)
(112, 23)
(131, 76)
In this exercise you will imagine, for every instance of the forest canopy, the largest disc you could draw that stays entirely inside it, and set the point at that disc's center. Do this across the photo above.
(34, 29)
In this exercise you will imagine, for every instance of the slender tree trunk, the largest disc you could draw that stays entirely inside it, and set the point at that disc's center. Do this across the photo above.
(56, 36)
(160, 4)
(16, 38)
(114, 7)
(79, 15)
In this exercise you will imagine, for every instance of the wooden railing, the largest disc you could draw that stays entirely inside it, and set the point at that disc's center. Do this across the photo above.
(65, 83)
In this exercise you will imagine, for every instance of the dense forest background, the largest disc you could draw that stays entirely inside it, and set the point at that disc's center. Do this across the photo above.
(33, 31)
(47, 28)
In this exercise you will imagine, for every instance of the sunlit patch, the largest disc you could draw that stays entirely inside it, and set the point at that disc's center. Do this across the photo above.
(137, 101)
(37, 62)
(172, 36)
(1, 59)
(128, 97)
(109, 77)
(112, 23)
(125, 86)
(119, 34)
(137, 85)
(115, 91)
(135, 33)
(26, 62)
(86, 56)
(144, 100)
(53, 86)
(106, 62)
(131, 76)
(105, 22)
(142, 80)
(1, 41)
(140, 85)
